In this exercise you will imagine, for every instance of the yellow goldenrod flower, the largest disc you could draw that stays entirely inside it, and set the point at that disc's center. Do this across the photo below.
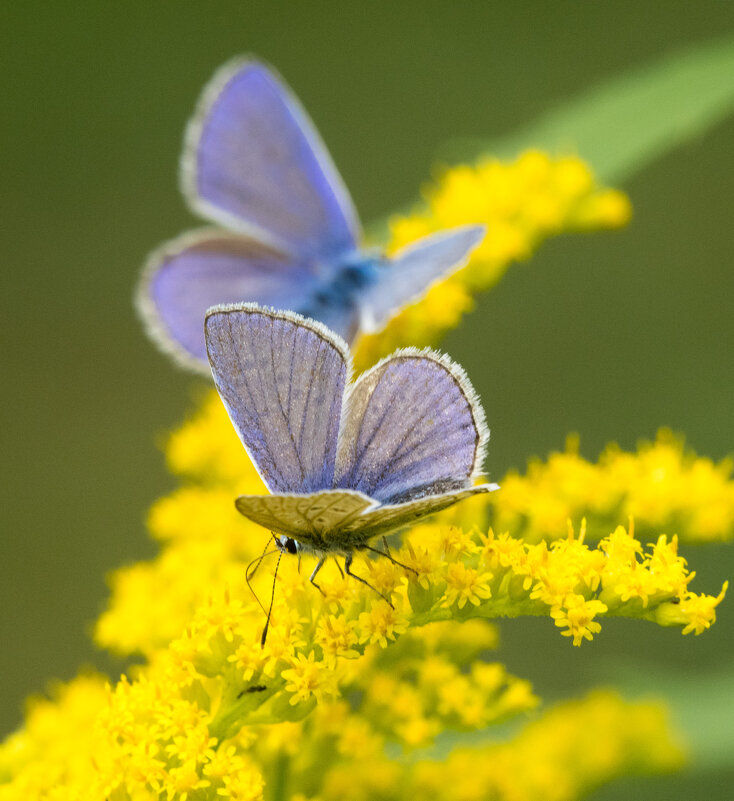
(696, 611)
(465, 584)
(307, 678)
(550, 758)
(662, 486)
(577, 614)
(381, 623)
(336, 636)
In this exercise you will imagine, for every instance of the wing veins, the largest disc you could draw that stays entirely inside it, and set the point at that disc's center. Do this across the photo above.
(360, 458)
(280, 403)
(308, 397)
(388, 460)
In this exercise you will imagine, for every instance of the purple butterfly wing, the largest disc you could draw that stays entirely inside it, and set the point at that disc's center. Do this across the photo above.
(405, 278)
(254, 162)
(413, 427)
(281, 378)
(188, 275)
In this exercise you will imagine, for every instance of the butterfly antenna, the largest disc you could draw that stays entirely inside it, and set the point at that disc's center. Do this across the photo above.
(272, 598)
(250, 572)
(249, 575)
(386, 553)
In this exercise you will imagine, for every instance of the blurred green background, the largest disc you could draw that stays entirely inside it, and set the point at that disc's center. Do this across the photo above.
(610, 335)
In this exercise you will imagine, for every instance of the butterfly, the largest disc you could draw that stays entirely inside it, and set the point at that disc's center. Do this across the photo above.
(344, 462)
(254, 164)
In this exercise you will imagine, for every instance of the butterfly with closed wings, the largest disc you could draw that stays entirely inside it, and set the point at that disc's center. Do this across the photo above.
(254, 164)
(344, 462)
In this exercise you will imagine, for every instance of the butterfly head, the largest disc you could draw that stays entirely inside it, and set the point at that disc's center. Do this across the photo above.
(286, 544)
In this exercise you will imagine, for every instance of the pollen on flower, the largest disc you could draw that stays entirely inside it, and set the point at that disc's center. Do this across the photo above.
(466, 585)
(382, 623)
(336, 636)
(700, 610)
(307, 678)
(453, 542)
(423, 563)
(576, 615)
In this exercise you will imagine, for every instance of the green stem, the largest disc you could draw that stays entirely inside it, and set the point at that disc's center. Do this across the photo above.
(279, 778)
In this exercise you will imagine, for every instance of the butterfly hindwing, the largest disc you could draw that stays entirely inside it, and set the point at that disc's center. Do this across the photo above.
(205, 268)
(281, 379)
(386, 518)
(410, 423)
(254, 162)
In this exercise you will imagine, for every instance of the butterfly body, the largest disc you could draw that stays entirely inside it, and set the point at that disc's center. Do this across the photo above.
(340, 289)
(287, 234)
(345, 462)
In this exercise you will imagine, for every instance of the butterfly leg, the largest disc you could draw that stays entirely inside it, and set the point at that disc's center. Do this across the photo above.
(336, 562)
(386, 553)
(318, 567)
(348, 564)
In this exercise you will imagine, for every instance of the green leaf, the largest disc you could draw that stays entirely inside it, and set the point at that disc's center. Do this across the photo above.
(623, 125)
(701, 705)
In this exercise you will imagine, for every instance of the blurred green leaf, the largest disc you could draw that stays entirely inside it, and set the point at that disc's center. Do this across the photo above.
(701, 705)
(624, 124)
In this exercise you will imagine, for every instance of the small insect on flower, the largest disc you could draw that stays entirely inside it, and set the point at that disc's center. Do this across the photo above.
(345, 462)
(254, 163)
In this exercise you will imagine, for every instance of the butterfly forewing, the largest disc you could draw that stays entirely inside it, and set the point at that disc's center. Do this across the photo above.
(317, 520)
(387, 518)
(409, 423)
(408, 276)
(254, 161)
(206, 268)
(282, 381)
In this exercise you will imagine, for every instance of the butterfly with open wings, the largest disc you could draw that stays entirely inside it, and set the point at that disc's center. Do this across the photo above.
(254, 164)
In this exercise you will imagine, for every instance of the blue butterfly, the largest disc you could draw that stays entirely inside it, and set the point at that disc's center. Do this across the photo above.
(254, 164)
(345, 462)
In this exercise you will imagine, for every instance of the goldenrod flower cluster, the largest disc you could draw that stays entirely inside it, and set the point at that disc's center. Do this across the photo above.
(663, 486)
(569, 751)
(181, 734)
(357, 689)
(208, 545)
(522, 203)
(344, 678)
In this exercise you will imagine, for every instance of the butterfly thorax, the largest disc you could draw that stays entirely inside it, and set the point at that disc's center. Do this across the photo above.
(289, 545)
(341, 286)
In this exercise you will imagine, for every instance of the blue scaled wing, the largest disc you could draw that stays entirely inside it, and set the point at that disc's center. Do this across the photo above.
(410, 273)
(205, 268)
(412, 427)
(254, 162)
(281, 378)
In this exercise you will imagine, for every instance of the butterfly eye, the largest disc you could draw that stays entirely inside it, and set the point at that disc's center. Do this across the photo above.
(289, 545)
